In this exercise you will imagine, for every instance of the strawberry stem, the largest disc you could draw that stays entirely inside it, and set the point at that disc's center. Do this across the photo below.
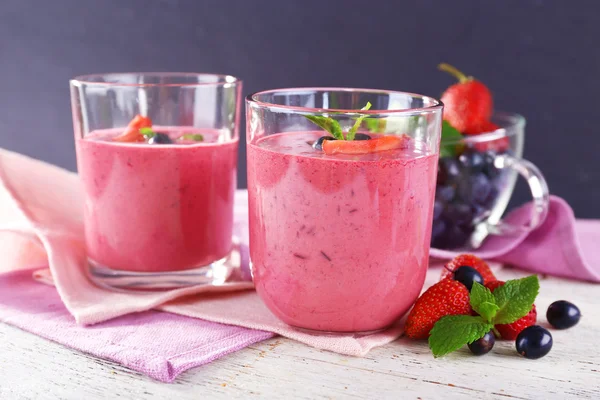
(498, 335)
(462, 78)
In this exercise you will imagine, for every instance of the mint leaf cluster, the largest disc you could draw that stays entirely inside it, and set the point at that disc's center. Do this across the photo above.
(507, 304)
(147, 132)
(333, 127)
(452, 137)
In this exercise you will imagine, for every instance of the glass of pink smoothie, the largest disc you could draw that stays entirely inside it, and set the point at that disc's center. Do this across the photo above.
(157, 157)
(340, 229)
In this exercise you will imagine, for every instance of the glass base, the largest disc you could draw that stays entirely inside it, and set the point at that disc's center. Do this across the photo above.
(214, 274)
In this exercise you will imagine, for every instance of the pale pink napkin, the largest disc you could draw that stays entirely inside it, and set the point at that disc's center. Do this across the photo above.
(42, 217)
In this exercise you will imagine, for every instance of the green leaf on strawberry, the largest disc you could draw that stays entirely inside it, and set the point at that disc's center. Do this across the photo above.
(505, 306)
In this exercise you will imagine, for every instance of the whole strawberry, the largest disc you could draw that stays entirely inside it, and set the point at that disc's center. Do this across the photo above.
(499, 145)
(468, 260)
(511, 331)
(447, 297)
(468, 104)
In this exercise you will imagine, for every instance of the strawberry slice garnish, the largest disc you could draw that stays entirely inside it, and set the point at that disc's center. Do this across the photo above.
(447, 297)
(381, 143)
(132, 132)
(468, 260)
(467, 104)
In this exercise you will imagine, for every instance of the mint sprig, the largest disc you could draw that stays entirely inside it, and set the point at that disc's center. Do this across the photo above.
(147, 132)
(352, 132)
(192, 136)
(452, 137)
(333, 127)
(507, 304)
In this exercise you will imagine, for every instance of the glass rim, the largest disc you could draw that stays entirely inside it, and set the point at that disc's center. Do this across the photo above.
(509, 129)
(221, 79)
(252, 99)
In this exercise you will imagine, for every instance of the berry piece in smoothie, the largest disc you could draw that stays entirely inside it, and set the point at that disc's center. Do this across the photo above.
(132, 132)
(469, 260)
(534, 342)
(447, 297)
(467, 275)
(160, 138)
(382, 143)
(318, 145)
(563, 314)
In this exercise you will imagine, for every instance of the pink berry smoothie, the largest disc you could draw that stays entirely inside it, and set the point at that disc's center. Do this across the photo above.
(157, 207)
(338, 242)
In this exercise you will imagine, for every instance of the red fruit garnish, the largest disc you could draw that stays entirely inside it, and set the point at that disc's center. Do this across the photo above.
(380, 143)
(472, 261)
(467, 104)
(511, 331)
(447, 297)
(132, 132)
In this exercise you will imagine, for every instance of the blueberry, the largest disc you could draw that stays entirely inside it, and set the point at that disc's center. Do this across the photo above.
(562, 314)
(489, 169)
(480, 188)
(472, 160)
(459, 213)
(448, 170)
(438, 228)
(362, 136)
(454, 236)
(534, 342)
(160, 138)
(484, 345)
(445, 193)
(467, 275)
(437, 210)
(318, 145)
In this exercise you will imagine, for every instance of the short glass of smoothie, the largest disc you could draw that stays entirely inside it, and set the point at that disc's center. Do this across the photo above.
(157, 158)
(341, 186)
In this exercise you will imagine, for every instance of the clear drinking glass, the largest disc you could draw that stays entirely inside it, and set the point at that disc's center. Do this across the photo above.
(157, 157)
(476, 179)
(339, 234)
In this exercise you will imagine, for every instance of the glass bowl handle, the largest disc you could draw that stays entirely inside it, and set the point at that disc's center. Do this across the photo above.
(539, 192)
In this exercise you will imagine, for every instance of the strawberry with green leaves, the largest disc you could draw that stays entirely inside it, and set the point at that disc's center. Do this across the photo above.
(512, 330)
(507, 304)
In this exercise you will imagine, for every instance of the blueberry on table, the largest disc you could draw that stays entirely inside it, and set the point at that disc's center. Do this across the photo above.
(318, 145)
(362, 136)
(472, 160)
(448, 170)
(563, 314)
(467, 275)
(534, 342)
(160, 138)
(484, 345)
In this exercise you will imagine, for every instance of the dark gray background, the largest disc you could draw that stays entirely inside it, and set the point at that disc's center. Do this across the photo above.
(540, 58)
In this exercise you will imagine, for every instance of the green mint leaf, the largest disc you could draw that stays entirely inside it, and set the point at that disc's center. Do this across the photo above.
(147, 132)
(488, 310)
(329, 124)
(454, 331)
(375, 125)
(515, 299)
(482, 300)
(359, 120)
(190, 136)
(452, 135)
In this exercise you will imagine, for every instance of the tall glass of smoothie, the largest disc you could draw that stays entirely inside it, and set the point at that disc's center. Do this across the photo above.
(341, 185)
(157, 156)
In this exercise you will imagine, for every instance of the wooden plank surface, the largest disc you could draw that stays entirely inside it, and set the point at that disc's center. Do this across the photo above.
(33, 368)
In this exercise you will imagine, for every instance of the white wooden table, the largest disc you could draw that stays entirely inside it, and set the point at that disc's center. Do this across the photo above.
(33, 368)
